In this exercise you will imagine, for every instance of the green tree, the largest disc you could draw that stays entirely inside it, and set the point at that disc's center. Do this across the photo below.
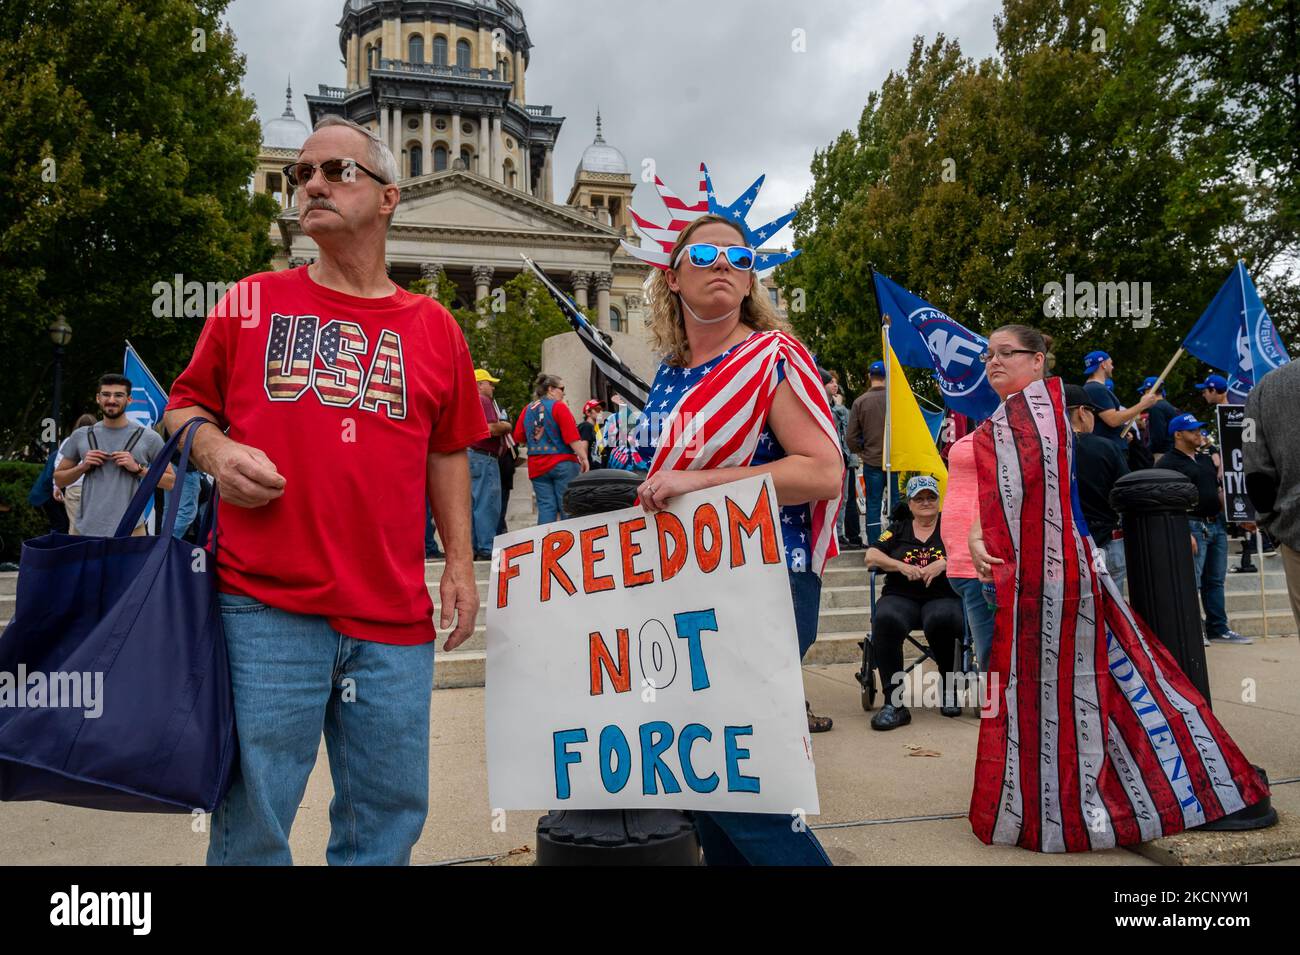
(126, 152)
(1091, 145)
(505, 335)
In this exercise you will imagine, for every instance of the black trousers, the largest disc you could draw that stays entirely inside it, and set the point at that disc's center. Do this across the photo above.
(852, 519)
(941, 620)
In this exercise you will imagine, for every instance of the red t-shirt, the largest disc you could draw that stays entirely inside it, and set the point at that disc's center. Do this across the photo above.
(539, 464)
(488, 445)
(347, 396)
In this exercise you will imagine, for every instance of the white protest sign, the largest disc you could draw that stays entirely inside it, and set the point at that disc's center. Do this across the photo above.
(640, 660)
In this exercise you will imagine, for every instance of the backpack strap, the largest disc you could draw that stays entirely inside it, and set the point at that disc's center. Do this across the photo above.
(90, 437)
(134, 439)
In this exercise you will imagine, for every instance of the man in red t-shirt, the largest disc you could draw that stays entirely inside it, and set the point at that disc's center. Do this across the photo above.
(345, 401)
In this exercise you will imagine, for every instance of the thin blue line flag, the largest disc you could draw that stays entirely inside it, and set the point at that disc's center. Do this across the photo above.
(924, 337)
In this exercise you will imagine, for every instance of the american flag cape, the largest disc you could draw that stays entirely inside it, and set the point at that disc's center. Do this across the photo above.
(718, 422)
(620, 376)
(1098, 738)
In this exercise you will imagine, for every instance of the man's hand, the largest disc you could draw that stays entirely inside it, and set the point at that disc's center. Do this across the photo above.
(458, 595)
(94, 459)
(127, 462)
(1148, 399)
(1194, 547)
(245, 475)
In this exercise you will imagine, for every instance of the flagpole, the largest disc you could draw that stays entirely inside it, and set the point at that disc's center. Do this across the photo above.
(1259, 534)
(886, 501)
(1156, 384)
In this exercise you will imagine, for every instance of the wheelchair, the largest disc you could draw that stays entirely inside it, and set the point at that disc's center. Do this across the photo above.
(868, 676)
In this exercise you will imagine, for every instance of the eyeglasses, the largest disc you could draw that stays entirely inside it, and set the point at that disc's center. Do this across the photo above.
(703, 254)
(987, 356)
(558, 387)
(298, 174)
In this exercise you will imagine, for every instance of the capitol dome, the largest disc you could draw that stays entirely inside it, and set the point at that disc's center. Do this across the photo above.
(600, 156)
(286, 131)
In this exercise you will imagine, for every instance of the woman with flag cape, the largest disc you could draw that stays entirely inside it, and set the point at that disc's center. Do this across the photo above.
(1096, 738)
(737, 395)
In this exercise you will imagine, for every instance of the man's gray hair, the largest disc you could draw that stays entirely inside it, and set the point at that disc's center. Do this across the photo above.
(380, 160)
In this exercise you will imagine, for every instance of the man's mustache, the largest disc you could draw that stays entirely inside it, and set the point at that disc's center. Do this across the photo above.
(322, 204)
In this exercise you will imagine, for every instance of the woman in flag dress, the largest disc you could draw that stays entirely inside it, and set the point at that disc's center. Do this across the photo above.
(714, 324)
(1096, 738)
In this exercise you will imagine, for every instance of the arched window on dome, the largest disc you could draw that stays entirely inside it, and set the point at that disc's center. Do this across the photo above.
(415, 156)
(440, 51)
(467, 157)
(503, 66)
(415, 49)
(616, 321)
(509, 170)
(439, 158)
(464, 54)
(370, 56)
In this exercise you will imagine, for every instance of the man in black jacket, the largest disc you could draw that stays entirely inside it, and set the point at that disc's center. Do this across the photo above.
(1209, 531)
(1098, 464)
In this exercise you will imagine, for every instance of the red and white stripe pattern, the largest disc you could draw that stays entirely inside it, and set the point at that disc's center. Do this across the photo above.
(662, 238)
(718, 422)
(1098, 738)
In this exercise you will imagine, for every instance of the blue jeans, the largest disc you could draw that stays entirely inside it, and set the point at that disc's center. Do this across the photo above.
(430, 532)
(485, 489)
(189, 506)
(1211, 569)
(549, 488)
(979, 616)
(293, 675)
(759, 838)
(875, 481)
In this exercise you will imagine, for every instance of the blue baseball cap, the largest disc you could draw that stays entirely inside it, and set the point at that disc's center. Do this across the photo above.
(922, 482)
(1147, 383)
(1092, 360)
(1185, 422)
(876, 368)
(1217, 382)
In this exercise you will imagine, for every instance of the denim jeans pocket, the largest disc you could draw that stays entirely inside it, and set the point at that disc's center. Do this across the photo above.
(238, 603)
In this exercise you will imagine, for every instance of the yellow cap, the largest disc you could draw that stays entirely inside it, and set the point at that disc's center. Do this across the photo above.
(482, 374)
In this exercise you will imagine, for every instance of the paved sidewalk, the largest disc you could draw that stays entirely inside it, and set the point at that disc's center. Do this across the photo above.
(869, 782)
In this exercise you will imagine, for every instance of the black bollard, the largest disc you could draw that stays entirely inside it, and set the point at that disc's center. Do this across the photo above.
(1161, 570)
(1163, 590)
(615, 837)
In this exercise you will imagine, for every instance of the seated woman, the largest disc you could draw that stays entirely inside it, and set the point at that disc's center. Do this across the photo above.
(916, 594)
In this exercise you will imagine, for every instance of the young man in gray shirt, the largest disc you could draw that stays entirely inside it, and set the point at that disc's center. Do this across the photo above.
(113, 455)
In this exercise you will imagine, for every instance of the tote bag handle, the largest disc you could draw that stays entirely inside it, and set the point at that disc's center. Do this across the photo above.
(150, 481)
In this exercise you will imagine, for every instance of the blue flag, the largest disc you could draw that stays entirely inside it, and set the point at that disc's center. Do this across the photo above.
(147, 397)
(1235, 335)
(924, 337)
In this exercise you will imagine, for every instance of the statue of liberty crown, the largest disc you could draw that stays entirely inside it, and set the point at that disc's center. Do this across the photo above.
(681, 214)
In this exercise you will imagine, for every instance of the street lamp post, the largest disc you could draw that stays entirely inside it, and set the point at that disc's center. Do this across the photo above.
(60, 334)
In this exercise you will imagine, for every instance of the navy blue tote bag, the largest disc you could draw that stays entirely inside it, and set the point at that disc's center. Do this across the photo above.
(142, 613)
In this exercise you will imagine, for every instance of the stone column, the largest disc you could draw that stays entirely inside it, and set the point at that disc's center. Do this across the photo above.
(632, 304)
(498, 157)
(526, 175)
(426, 143)
(431, 271)
(383, 122)
(399, 137)
(455, 138)
(603, 281)
(581, 283)
(484, 167)
(482, 282)
(547, 192)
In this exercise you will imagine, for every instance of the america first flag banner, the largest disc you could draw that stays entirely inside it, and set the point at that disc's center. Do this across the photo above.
(718, 422)
(1098, 738)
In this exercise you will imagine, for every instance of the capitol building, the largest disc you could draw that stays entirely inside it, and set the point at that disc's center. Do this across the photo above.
(443, 82)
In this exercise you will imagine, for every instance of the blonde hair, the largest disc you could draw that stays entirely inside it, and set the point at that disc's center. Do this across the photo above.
(667, 327)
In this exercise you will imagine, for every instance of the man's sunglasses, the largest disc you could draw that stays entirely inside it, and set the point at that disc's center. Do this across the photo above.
(299, 174)
(702, 255)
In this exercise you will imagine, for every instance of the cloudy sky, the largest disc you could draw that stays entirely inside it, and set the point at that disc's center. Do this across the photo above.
(678, 81)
